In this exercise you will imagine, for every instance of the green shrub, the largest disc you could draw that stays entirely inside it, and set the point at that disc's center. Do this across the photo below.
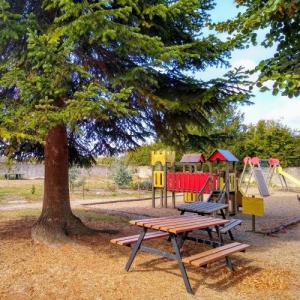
(33, 189)
(145, 185)
(121, 174)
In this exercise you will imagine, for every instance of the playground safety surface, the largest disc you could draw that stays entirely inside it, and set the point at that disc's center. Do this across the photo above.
(92, 268)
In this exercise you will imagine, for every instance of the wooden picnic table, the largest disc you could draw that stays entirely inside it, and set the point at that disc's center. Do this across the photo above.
(203, 208)
(178, 228)
(208, 208)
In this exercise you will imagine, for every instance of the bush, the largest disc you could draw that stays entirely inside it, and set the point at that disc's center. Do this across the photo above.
(75, 178)
(145, 185)
(121, 174)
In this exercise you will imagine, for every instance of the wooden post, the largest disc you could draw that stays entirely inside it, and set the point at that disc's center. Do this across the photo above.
(173, 193)
(253, 223)
(165, 186)
(173, 199)
(227, 188)
(153, 188)
(211, 185)
(253, 219)
(235, 189)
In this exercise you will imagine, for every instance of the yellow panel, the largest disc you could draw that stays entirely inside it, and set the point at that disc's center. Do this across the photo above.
(162, 157)
(231, 182)
(221, 183)
(189, 197)
(253, 206)
(158, 179)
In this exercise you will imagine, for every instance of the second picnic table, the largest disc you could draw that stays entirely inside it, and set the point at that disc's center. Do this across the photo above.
(209, 208)
(177, 229)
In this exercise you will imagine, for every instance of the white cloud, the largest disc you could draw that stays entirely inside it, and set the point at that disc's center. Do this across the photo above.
(287, 110)
(270, 107)
(248, 64)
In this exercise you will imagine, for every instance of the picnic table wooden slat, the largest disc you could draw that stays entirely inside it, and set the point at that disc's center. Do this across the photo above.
(132, 239)
(208, 252)
(179, 224)
(164, 219)
(195, 227)
(171, 220)
(206, 257)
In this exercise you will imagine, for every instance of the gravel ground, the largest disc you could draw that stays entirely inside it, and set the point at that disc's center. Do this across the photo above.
(92, 268)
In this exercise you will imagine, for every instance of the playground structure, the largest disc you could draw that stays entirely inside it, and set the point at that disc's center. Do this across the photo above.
(193, 182)
(284, 177)
(252, 169)
(219, 182)
(161, 161)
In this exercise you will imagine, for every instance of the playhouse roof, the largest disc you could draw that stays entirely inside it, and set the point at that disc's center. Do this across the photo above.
(223, 155)
(193, 158)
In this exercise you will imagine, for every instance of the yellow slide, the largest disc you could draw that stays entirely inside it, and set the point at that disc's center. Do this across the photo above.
(280, 171)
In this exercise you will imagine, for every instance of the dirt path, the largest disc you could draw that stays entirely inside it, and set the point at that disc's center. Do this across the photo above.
(19, 205)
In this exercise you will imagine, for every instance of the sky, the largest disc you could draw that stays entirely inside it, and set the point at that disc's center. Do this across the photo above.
(266, 106)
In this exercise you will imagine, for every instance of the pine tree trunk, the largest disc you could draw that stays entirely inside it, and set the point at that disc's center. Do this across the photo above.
(57, 220)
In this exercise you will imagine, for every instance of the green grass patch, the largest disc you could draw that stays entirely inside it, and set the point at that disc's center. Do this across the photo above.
(30, 193)
(19, 214)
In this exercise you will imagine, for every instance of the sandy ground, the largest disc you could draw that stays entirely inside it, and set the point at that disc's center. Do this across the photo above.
(92, 268)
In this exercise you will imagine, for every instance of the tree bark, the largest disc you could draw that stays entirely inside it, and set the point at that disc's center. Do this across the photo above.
(56, 220)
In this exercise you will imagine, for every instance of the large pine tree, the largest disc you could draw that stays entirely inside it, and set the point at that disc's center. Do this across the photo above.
(86, 77)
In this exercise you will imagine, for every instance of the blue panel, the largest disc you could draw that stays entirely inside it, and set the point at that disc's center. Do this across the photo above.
(228, 155)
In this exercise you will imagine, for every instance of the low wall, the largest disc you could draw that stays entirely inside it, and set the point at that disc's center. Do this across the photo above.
(31, 171)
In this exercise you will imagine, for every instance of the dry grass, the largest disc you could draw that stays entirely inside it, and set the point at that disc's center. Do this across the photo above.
(21, 190)
(92, 268)
(96, 187)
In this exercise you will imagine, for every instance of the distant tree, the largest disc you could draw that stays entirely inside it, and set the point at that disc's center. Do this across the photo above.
(281, 21)
(224, 132)
(86, 78)
(270, 139)
(141, 156)
(105, 160)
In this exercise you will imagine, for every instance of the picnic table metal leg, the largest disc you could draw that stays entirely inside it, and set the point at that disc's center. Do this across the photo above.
(181, 265)
(219, 235)
(229, 232)
(135, 249)
(222, 214)
(231, 235)
(228, 259)
(208, 230)
(181, 239)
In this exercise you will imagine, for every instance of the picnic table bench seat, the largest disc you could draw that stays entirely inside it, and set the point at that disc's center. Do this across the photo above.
(128, 240)
(230, 225)
(215, 254)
